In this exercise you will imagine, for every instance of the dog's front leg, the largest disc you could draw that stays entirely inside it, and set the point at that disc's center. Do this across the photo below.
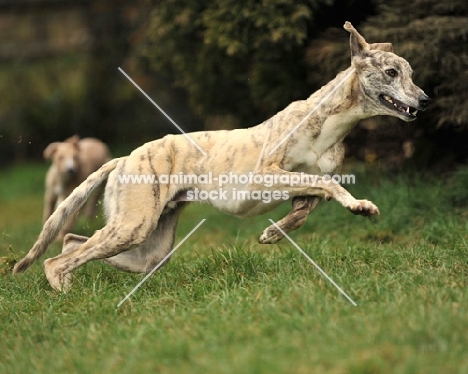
(306, 196)
(318, 186)
(50, 201)
(301, 208)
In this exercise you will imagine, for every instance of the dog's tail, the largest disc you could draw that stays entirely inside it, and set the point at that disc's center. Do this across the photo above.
(67, 208)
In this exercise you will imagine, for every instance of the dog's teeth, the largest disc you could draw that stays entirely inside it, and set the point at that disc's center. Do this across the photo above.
(407, 109)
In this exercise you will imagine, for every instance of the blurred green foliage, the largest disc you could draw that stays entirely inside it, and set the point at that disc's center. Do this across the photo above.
(250, 59)
(224, 64)
(245, 59)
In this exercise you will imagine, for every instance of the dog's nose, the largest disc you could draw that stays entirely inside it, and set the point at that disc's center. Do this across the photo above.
(424, 101)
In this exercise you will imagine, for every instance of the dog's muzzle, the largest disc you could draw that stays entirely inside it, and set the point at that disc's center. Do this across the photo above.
(398, 106)
(404, 109)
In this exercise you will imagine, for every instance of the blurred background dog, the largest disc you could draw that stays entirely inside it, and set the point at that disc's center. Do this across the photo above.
(72, 161)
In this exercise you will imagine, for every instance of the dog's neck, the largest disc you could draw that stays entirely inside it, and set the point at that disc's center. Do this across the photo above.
(330, 114)
(337, 111)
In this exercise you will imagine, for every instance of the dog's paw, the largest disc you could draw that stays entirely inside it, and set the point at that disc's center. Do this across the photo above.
(363, 208)
(270, 235)
(58, 281)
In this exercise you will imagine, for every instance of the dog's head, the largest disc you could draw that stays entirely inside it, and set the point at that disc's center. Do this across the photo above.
(385, 79)
(65, 156)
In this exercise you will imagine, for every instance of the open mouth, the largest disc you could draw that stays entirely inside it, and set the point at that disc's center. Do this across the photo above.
(393, 103)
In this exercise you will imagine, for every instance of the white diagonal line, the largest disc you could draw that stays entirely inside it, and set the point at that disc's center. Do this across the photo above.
(312, 111)
(313, 263)
(163, 112)
(161, 262)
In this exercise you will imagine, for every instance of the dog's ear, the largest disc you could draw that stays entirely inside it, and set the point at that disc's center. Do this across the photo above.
(72, 139)
(50, 150)
(386, 47)
(357, 43)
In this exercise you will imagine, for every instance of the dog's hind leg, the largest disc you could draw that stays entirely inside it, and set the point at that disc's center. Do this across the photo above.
(159, 243)
(71, 241)
(109, 241)
(301, 208)
(145, 257)
(126, 230)
(68, 226)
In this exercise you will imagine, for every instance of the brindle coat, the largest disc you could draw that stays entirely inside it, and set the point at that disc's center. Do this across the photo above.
(142, 218)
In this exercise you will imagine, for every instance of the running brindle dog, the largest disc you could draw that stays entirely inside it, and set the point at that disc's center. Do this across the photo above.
(142, 218)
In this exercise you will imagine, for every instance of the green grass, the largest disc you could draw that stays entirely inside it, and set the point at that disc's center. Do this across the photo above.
(225, 304)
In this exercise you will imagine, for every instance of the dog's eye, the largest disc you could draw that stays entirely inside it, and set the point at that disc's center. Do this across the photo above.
(391, 72)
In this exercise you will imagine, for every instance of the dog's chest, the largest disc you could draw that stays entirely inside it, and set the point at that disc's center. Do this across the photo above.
(324, 152)
(327, 162)
(58, 189)
(335, 128)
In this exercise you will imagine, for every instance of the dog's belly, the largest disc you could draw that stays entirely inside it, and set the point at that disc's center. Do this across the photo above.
(248, 207)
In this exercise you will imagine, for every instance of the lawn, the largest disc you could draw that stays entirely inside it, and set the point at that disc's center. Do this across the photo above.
(226, 304)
